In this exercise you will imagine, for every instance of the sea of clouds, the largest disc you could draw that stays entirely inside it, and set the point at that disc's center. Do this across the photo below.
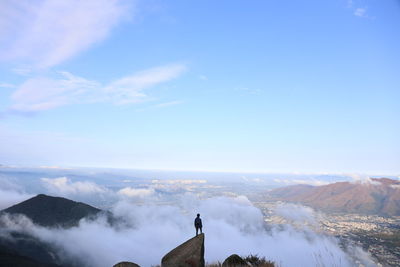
(150, 230)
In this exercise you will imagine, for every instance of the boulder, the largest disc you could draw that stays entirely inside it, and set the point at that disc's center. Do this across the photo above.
(188, 254)
(126, 264)
(234, 260)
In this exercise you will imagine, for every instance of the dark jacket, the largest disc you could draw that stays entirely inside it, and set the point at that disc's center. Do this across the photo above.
(197, 223)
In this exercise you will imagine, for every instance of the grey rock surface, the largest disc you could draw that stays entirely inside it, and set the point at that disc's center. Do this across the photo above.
(188, 254)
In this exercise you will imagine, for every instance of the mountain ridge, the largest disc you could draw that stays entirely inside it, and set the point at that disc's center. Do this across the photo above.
(373, 196)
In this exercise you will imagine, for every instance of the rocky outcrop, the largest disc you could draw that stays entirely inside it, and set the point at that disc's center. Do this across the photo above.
(126, 264)
(234, 260)
(188, 254)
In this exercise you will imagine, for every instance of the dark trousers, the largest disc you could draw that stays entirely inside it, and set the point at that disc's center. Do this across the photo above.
(197, 230)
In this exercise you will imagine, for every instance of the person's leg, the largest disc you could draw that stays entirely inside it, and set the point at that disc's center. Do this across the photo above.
(197, 230)
(201, 230)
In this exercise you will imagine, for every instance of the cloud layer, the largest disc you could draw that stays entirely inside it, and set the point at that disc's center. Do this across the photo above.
(64, 186)
(232, 225)
(11, 193)
(9, 198)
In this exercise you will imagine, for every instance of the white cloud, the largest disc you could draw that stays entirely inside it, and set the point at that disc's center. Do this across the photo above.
(203, 77)
(350, 3)
(232, 225)
(24, 71)
(360, 12)
(310, 182)
(136, 192)
(10, 197)
(179, 181)
(65, 186)
(11, 193)
(296, 213)
(178, 185)
(130, 89)
(363, 179)
(314, 182)
(7, 85)
(43, 93)
(48, 32)
(64, 88)
(249, 90)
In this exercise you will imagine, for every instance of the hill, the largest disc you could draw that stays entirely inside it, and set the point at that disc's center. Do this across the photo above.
(375, 196)
(53, 211)
(22, 249)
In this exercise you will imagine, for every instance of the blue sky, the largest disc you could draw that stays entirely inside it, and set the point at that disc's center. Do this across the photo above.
(249, 86)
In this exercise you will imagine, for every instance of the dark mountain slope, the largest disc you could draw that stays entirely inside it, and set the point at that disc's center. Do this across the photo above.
(15, 260)
(24, 250)
(53, 211)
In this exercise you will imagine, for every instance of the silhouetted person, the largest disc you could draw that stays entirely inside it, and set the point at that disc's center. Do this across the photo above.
(198, 224)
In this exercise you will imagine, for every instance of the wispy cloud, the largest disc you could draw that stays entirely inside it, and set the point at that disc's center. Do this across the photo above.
(357, 11)
(203, 77)
(314, 182)
(360, 12)
(249, 90)
(168, 104)
(350, 3)
(23, 71)
(64, 88)
(130, 89)
(48, 32)
(7, 85)
(43, 93)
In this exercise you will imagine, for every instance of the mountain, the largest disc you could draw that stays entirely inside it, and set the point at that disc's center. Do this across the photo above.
(15, 260)
(22, 249)
(374, 196)
(53, 211)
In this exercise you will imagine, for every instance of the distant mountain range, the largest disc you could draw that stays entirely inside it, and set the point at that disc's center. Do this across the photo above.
(27, 251)
(374, 196)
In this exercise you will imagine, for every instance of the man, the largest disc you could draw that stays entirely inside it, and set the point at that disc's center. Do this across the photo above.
(198, 224)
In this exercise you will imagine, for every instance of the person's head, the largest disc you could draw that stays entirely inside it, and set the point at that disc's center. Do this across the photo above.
(198, 214)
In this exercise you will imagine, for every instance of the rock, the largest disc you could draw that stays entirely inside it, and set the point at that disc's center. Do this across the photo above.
(126, 264)
(234, 260)
(188, 254)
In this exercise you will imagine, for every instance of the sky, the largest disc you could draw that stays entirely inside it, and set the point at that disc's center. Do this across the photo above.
(240, 86)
